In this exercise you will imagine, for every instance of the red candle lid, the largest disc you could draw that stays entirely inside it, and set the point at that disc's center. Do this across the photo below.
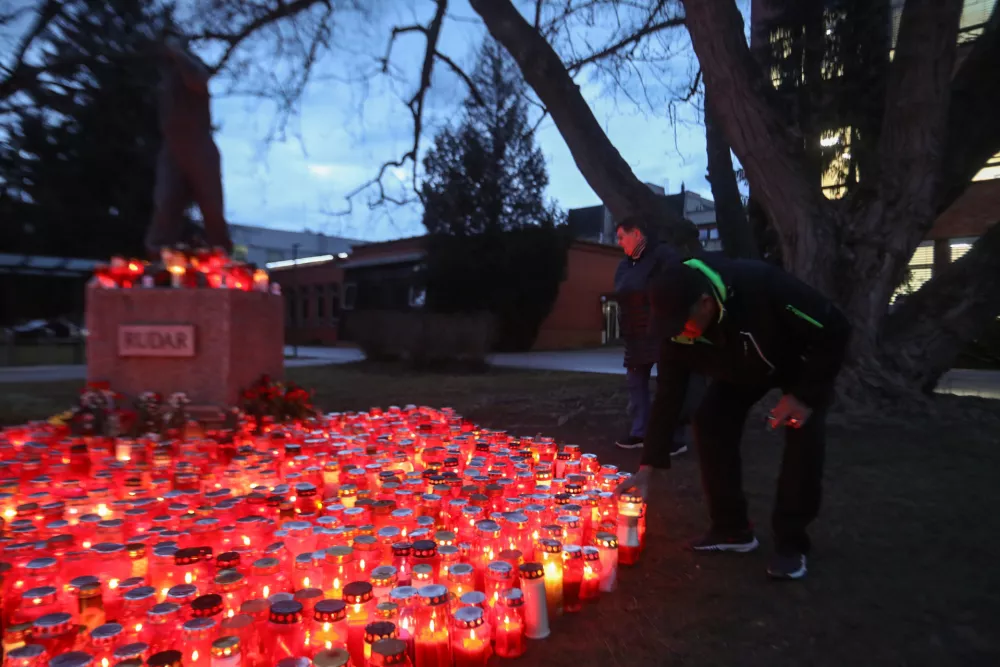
(500, 569)
(549, 545)
(286, 612)
(379, 630)
(607, 540)
(433, 594)
(591, 553)
(165, 659)
(266, 566)
(401, 549)
(339, 554)
(357, 592)
(385, 652)
(468, 618)
(532, 571)
(330, 611)
(205, 606)
(513, 597)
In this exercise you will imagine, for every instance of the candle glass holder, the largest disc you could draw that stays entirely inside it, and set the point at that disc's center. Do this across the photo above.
(431, 641)
(509, 630)
(536, 615)
(551, 557)
(328, 629)
(360, 599)
(470, 640)
(572, 577)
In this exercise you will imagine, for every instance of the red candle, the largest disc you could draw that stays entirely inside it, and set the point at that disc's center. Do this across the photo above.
(470, 641)
(510, 624)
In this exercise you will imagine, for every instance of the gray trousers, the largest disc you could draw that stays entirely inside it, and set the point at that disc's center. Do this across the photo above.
(187, 173)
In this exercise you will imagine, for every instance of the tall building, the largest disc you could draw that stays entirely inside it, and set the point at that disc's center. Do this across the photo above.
(819, 54)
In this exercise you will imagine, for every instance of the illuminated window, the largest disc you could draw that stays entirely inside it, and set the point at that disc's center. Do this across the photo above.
(240, 252)
(975, 14)
(959, 247)
(990, 171)
(835, 147)
(781, 49)
(832, 66)
(920, 269)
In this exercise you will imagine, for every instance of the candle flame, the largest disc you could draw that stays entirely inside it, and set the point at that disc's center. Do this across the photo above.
(231, 613)
(86, 545)
(194, 655)
(329, 644)
(432, 625)
(267, 590)
(138, 627)
(104, 662)
(246, 541)
(188, 578)
(305, 582)
(113, 584)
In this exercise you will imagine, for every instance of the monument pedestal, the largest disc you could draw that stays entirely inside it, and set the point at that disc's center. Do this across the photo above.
(208, 343)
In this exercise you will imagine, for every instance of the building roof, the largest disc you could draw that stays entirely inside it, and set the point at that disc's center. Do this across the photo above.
(50, 266)
(972, 214)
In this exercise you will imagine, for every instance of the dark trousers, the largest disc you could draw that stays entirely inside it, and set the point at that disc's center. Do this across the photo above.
(718, 431)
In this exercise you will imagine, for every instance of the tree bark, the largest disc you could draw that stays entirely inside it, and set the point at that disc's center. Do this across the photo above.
(924, 336)
(973, 130)
(730, 217)
(773, 160)
(599, 161)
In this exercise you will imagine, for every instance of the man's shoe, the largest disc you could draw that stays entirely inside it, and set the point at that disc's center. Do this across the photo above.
(742, 542)
(787, 566)
(631, 442)
(679, 448)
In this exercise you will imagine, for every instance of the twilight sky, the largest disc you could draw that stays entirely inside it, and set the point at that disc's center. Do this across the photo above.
(346, 130)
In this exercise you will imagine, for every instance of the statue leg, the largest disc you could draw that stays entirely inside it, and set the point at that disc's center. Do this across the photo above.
(206, 181)
(170, 197)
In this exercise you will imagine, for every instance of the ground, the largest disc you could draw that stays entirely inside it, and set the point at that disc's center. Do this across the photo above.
(904, 570)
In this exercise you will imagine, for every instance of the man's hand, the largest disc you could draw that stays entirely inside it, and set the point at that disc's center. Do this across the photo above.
(639, 482)
(790, 411)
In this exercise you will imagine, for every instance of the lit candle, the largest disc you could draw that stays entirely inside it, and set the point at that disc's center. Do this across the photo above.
(360, 600)
(376, 631)
(386, 652)
(510, 624)
(607, 546)
(536, 615)
(629, 511)
(470, 641)
(590, 586)
(226, 652)
(552, 560)
(431, 643)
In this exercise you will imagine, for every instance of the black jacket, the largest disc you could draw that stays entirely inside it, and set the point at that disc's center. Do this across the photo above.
(631, 290)
(775, 331)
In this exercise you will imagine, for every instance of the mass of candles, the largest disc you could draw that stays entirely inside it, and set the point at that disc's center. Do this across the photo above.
(183, 268)
(408, 536)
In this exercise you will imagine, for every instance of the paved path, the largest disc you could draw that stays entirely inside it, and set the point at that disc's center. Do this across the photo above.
(985, 384)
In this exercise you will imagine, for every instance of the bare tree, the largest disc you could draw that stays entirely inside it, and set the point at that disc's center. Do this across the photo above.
(937, 131)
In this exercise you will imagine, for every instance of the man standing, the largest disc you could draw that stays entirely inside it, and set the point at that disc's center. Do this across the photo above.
(189, 166)
(643, 254)
(751, 328)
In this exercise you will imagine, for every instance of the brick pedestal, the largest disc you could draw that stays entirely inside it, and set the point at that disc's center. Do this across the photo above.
(237, 337)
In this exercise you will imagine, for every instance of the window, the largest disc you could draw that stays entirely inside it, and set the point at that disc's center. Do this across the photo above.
(240, 252)
(320, 302)
(781, 49)
(305, 304)
(959, 247)
(350, 295)
(975, 15)
(832, 66)
(274, 255)
(835, 147)
(990, 171)
(920, 268)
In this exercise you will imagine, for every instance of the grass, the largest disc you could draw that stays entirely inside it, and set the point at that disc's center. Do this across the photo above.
(904, 570)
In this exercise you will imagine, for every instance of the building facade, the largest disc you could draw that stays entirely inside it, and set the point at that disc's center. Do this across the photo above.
(322, 294)
(262, 245)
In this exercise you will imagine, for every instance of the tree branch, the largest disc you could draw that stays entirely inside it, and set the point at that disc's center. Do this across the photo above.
(18, 74)
(775, 164)
(462, 75)
(633, 39)
(973, 133)
(279, 11)
(923, 335)
(914, 126)
(432, 32)
(599, 162)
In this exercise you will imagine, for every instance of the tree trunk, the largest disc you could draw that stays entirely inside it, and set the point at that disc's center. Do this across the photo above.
(730, 217)
(925, 335)
(599, 161)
